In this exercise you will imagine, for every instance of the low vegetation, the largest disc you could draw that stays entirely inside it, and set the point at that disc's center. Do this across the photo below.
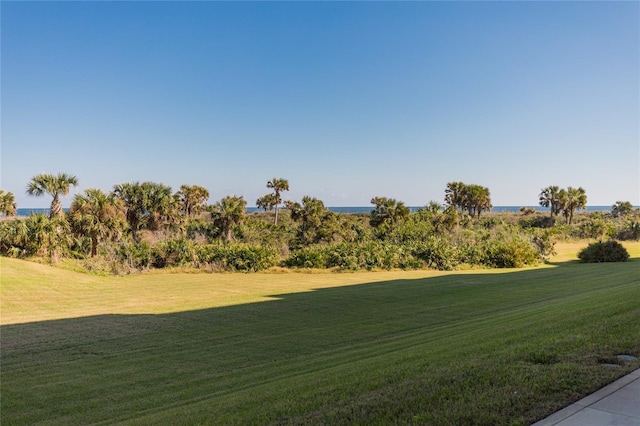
(608, 251)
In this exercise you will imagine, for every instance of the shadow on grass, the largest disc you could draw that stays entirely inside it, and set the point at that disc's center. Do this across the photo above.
(435, 350)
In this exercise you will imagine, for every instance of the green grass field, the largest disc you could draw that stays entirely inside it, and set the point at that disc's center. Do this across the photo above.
(421, 347)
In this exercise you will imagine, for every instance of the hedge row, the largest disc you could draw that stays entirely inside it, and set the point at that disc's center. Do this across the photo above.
(182, 252)
(433, 252)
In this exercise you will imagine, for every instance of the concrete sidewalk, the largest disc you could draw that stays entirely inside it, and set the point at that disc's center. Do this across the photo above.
(617, 404)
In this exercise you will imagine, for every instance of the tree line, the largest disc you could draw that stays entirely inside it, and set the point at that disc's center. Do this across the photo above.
(147, 224)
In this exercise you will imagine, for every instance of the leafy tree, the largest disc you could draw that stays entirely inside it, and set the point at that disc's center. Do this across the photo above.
(54, 185)
(8, 205)
(96, 215)
(192, 198)
(267, 202)
(387, 211)
(148, 203)
(317, 223)
(278, 185)
(621, 208)
(571, 200)
(227, 213)
(550, 197)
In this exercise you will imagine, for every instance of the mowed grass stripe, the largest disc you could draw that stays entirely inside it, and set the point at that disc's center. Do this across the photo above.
(498, 348)
(380, 354)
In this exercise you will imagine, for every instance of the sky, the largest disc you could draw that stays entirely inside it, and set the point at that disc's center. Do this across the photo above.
(345, 100)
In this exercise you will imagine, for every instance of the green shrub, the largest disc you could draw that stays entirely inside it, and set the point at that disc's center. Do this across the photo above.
(609, 251)
(308, 257)
(630, 231)
(514, 253)
(438, 253)
(238, 257)
(174, 252)
(537, 221)
(134, 255)
(353, 257)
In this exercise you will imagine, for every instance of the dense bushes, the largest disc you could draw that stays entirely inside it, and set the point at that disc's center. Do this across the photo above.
(182, 252)
(609, 251)
(354, 256)
(238, 257)
(430, 238)
(433, 252)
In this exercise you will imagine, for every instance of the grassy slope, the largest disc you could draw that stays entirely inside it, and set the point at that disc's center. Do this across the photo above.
(479, 347)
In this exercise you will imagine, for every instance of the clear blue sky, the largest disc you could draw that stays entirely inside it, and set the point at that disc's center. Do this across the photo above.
(345, 100)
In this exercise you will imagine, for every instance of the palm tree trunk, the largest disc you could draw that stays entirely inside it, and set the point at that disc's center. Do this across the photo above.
(56, 207)
(94, 246)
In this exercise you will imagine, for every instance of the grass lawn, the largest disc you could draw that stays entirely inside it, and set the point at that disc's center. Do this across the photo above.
(472, 347)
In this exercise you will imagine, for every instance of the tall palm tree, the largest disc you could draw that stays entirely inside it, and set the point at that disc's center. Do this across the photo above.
(54, 185)
(573, 199)
(278, 185)
(550, 197)
(96, 215)
(227, 213)
(8, 205)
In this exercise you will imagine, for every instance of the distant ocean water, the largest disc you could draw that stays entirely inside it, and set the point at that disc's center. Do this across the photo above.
(365, 209)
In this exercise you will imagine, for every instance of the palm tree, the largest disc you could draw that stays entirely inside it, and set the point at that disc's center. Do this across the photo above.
(96, 215)
(454, 195)
(162, 205)
(621, 208)
(47, 235)
(266, 202)
(316, 222)
(472, 198)
(476, 199)
(550, 197)
(14, 238)
(278, 185)
(134, 204)
(192, 198)
(573, 199)
(148, 202)
(54, 185)
(388, 211)
(8, 205)
(227, 213)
